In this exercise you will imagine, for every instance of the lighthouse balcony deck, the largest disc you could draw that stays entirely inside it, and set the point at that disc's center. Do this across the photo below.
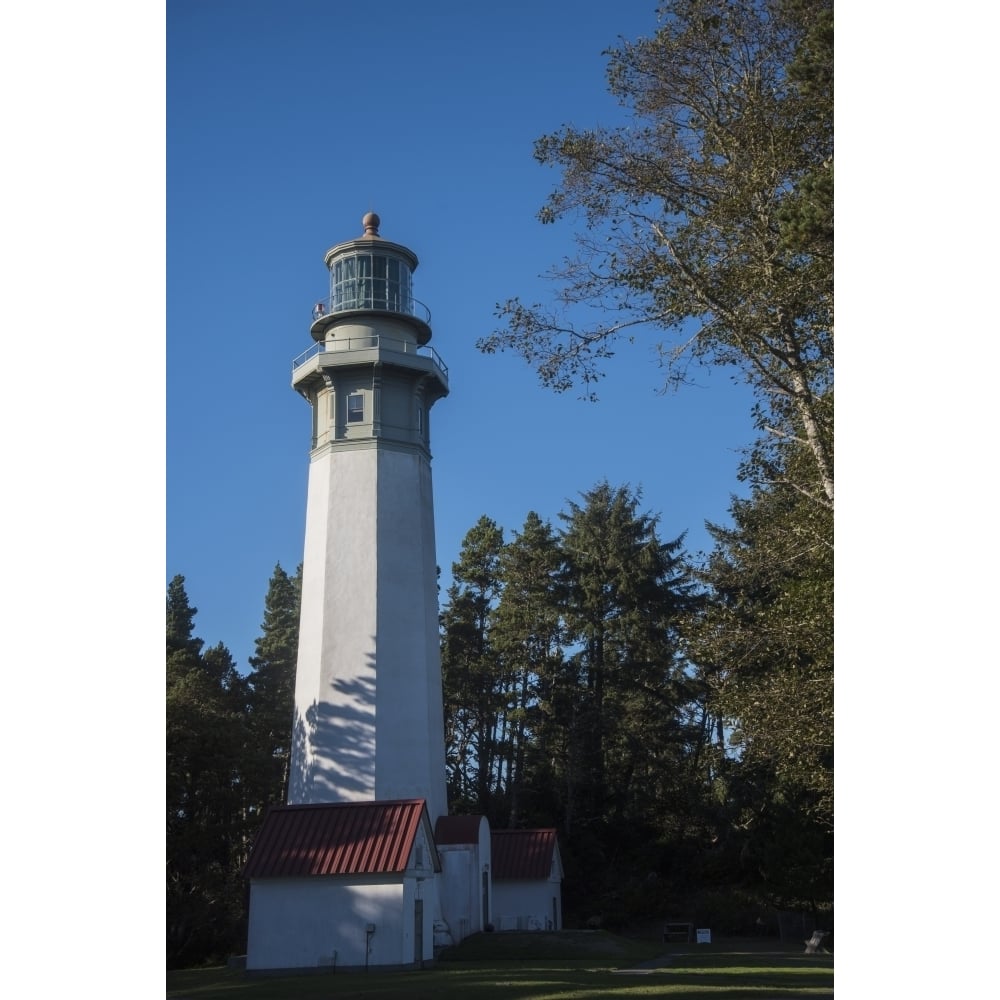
(373, 345)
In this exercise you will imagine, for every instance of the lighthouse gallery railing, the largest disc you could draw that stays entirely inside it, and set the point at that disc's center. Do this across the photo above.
(367, 343)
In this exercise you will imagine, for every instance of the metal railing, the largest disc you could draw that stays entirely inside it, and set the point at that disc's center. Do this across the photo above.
(368, 343)
(389, 301)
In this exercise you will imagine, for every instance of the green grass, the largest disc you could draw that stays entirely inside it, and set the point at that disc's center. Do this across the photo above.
(517, 946)
(562, 966)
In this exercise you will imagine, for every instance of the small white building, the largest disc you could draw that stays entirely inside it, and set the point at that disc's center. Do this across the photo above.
(464, 847)
(344, 885)
(527, 880)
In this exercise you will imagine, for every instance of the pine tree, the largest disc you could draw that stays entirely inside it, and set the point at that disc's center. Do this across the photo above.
(204, 731)
(473, 700)
(625, 593)
(765, 641)
(272, 691)
(527, 636)
(180, 622)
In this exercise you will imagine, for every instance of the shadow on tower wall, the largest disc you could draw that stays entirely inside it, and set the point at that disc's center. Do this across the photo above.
(333, 745)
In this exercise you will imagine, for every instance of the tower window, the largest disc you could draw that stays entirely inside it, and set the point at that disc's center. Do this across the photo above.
(355, 408)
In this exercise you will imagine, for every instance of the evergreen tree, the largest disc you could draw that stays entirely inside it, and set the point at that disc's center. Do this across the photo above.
(182, 644)
(204, 731)
(527, 636)
(766, 641)
(460, 654)
(271, 699)
(473, 701)
(625, 593)
(571, 701)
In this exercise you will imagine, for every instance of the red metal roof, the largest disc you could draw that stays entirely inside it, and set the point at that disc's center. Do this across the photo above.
(523, 854)
(344, 838)
(457, 829)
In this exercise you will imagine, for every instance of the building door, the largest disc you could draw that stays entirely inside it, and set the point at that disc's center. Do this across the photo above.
(418, 933)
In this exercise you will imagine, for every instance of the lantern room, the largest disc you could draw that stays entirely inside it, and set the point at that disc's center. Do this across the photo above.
(370, 275)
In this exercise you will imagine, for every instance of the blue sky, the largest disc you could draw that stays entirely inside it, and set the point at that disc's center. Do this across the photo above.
(285, 124)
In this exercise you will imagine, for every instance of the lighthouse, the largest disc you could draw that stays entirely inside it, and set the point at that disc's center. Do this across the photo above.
(368, 702)
(364, 866)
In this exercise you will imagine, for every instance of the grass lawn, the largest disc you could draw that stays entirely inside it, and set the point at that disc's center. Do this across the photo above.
(569, 965)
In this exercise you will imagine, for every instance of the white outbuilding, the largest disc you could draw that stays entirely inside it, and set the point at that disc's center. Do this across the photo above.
(527, 880)
(344, 885)
(466, 888)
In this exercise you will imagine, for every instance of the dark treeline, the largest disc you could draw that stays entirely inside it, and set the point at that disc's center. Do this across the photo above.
(667, 718)
(228, 744)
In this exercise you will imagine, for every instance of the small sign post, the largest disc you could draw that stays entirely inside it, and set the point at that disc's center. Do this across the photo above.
(704, 935)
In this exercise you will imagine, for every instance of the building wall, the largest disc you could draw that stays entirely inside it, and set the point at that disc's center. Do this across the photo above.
(527, 905)
(333, 756)
(461, 885)
(305, 923)
(368, 642)
(410, 761)
(322, 922)
(460, 904)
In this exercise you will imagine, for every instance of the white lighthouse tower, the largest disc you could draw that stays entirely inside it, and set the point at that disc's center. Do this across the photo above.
(364, 866)
(368, 703)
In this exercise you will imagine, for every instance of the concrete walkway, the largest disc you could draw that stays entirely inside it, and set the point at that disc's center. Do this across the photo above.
(645, 968)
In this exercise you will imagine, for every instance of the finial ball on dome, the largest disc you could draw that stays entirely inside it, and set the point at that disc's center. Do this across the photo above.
(371, 223)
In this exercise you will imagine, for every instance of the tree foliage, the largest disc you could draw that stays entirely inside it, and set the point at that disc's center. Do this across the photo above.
(625, 592)
(709, 214)
(528, 636)
(573, 638)
(272, 688)
(667, 718)
(765, 641)
(205, 747)
(228, 736)
(473, 700)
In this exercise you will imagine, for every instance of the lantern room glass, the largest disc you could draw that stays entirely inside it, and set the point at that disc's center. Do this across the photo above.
(371, 281)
